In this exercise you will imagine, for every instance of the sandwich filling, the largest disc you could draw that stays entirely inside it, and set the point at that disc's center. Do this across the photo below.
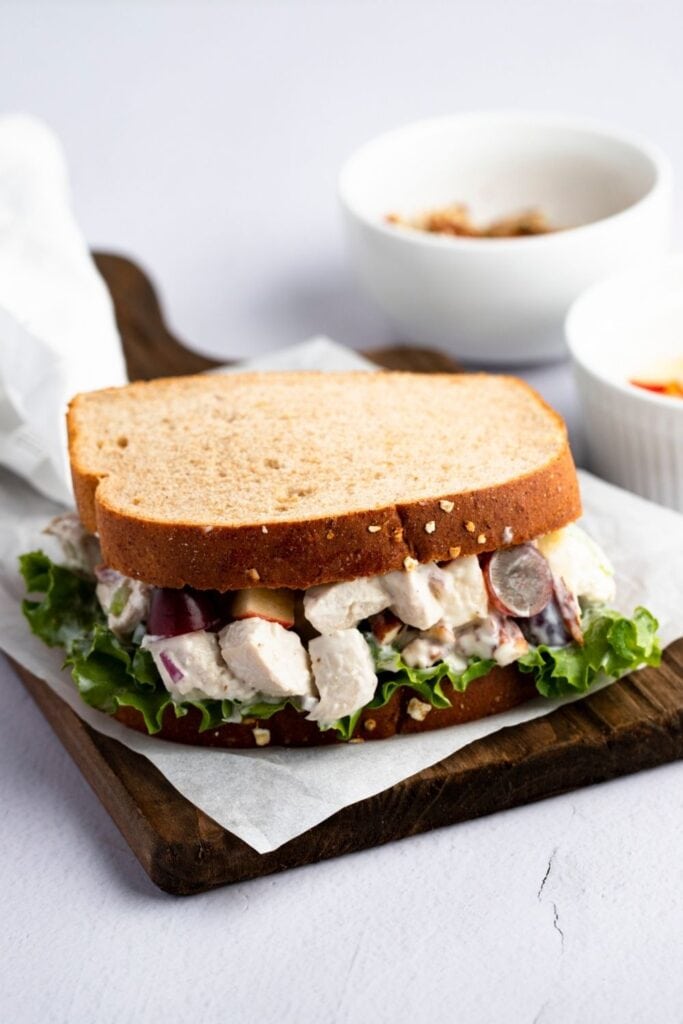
(334, 650)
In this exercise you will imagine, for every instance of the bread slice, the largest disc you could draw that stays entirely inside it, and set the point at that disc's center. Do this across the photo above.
(295, 479)
(500, 690)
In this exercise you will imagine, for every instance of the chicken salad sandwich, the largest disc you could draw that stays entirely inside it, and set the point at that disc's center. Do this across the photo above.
(303, 558)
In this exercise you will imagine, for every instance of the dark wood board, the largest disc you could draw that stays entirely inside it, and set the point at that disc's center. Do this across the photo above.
(634, 724)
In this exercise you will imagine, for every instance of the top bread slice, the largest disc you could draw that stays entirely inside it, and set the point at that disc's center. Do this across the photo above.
(295, 479)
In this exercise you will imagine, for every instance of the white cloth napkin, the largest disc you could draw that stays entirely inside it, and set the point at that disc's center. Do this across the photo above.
(58, 334)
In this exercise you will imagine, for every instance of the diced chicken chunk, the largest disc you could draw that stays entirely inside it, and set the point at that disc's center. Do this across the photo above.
(574, 557)
(495, 637)
(267, 657)
(435, 644)
(412, 596)
(335, 606)
(124, 601)
(191, 667)
(462, 591)
(344, 674)
(81, 550)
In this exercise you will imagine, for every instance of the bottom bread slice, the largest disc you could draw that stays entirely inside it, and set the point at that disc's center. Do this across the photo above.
(499, 690)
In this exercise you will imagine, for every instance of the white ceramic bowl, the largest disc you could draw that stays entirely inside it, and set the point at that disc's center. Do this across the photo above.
(500, 300)
(618, 330)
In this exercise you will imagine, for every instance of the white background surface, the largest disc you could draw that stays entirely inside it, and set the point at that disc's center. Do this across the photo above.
(205, 140)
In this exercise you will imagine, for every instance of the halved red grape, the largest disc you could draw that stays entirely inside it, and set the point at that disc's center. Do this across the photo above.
(519, 581)
(173, 612)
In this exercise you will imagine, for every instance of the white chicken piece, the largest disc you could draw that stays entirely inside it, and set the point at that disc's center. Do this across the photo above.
(412, 595)
(81, 549)
(124, 601)
(267, 657)
(462, 592)
(191, 667)
(335, 606)
(344, 674)
(435, 644)
(495, 637)
(580, 562)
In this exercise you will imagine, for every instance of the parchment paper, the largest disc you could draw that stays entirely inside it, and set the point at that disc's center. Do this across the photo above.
(268, 796)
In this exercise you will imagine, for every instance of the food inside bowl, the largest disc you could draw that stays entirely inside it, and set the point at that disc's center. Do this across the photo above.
(456, 220)
(666, 378)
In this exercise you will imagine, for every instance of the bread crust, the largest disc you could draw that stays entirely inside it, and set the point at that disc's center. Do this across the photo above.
(499, 690)
(302, 553)
(299, 555)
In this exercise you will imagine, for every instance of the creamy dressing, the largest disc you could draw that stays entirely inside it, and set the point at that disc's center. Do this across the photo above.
(124, 601)
(80, 549)
(444, 612)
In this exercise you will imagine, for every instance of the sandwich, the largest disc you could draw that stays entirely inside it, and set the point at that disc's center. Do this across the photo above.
(305, 558)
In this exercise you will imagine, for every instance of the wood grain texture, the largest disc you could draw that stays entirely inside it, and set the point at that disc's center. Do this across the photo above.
(634, 724)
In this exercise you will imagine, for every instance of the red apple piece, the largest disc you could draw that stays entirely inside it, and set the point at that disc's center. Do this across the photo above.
(261, 603)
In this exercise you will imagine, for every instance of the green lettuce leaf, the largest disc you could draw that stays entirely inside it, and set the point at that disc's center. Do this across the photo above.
(63, 611)
(613, 644)
(68, 607)
(393, 673)
(109, 672)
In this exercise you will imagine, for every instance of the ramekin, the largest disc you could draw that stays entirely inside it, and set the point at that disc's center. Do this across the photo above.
(616, 330)
(503, 300)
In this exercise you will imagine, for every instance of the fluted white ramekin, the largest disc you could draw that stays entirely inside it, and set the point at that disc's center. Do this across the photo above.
(616, 331)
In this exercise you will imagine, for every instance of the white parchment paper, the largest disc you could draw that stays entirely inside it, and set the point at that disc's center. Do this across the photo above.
(268, 796)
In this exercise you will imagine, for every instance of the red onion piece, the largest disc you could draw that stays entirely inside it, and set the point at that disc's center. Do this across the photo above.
(169, 664)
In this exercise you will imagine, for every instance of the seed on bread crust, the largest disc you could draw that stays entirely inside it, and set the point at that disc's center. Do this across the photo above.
(253, 575)
(470, 527)
(261, 737)
(446, 506)
(410, 563)
(374, 529)
(454, 552)
(430, 526)
(481, 539)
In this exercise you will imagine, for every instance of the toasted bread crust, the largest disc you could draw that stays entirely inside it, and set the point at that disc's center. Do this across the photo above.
(302, 553)
(500, 690)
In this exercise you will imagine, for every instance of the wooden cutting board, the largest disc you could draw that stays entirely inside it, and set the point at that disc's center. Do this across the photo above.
(636, 723)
